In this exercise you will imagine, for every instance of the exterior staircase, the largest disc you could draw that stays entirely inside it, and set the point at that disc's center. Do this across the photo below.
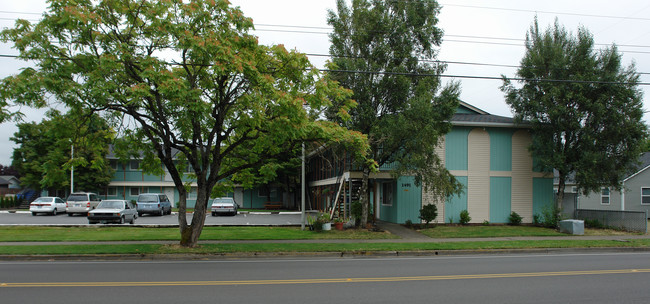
(351, 189)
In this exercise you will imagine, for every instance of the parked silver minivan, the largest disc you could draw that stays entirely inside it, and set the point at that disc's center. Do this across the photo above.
(153, 203)
(81, 203)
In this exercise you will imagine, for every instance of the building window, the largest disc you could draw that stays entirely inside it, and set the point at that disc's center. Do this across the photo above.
(112, 191)
(645, 196)
(134, 165)
(113, 164)
(604, 196)
(192, 194)
(135, 191)
(266, 192)
(387, 194)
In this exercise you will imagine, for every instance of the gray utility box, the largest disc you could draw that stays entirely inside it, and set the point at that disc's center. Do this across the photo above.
(576, 227)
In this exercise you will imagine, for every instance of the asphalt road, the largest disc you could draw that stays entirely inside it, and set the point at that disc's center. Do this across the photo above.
(25, 218)
(568, 278)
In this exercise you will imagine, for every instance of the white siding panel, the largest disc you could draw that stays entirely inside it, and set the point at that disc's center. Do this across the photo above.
(522, 176)
(478, 175)
(428, 197)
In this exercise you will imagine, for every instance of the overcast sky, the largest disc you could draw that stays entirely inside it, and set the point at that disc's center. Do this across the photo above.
(477, 32)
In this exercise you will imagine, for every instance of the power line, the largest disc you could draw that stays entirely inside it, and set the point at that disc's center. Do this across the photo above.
(329, 29)
(545, 12)
(430, 61)
(447, 35)
(449, 76)
(484, 77)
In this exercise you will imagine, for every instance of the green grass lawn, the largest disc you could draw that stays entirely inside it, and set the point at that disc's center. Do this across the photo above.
(56, 234)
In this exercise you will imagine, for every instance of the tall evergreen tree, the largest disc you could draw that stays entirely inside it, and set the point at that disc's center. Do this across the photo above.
(584, 107)
(384, 50)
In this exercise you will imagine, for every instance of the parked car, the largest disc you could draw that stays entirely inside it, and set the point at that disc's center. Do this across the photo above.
(113, 211)
(153, 203)
(224, 205)
(47, 204)
(81, 203)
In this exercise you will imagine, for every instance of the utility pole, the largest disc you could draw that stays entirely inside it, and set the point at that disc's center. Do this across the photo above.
(72, 170)
(302, 191)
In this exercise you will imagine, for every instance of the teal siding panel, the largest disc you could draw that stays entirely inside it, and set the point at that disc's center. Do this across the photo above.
(542, 194)
(118, 176)
(389, 213)
(456, 203)
(456, 148)
(500, 199)
(133, 176)
(408, 199)
(500, 149)
(151, 178)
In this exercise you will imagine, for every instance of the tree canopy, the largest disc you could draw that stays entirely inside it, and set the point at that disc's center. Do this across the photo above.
(584, 106)
(187, 82)
(384, 51)
(43, 154)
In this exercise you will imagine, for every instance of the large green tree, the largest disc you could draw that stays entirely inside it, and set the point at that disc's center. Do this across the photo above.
(43, 152)
(189, 82)
(585, 108)
(384, 50)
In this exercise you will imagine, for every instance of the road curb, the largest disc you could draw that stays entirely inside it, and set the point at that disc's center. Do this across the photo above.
(344, 254)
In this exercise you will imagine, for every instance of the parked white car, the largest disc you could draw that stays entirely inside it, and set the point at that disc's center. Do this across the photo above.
(224, 205)
(113, 211)
(47, 204)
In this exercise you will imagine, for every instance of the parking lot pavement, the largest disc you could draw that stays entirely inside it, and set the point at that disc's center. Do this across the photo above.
(242, 219)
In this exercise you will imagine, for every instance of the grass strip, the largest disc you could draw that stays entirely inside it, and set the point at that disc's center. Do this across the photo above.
(450, 231)
(99, 233)
(276, 247)
(488, 231)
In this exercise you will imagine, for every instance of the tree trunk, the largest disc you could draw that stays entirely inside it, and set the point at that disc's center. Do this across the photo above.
(560, 192)
(190, 233)
(364, 199)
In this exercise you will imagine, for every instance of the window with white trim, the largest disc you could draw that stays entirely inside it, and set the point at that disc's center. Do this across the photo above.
(134, 165)
(604, 196)
(113, 164)
(135, 191)
(192, 194)
(266, 192)
(645, 196)
(112, 191)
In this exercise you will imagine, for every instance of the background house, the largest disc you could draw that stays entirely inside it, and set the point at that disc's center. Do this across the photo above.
(634, 196)
(488, 154)
(9, 182)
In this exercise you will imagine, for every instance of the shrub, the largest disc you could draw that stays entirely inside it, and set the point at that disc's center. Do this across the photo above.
(549, 217)
(464, 217)
(593, 223)
(428, 213)
(356, 210)
(451, 219)
(486, 223)
(408, 224)
(514, 219)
